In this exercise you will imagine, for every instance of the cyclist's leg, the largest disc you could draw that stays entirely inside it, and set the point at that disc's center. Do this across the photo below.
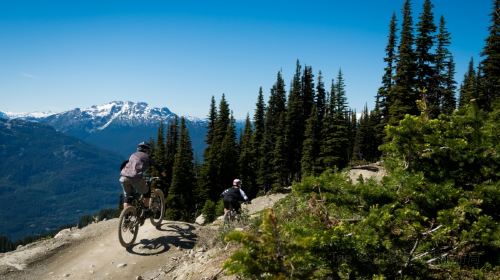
(128, 191)
(142, 187)
(227, 206)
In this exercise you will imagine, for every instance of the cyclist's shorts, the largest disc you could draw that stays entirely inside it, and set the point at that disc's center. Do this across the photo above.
(231, 204)
(131, 185)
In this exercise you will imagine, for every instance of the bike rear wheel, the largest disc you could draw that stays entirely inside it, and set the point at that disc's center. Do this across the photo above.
(128, 226)
(157, 206)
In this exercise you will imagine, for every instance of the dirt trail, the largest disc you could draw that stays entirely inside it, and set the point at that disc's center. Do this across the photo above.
(95, 253)
(174, 251)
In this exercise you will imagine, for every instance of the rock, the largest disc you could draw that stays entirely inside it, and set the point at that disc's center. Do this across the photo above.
(121, 265)
(91, 272)
(139, 278)
(67, 275)
(62, 233)
(200, 220)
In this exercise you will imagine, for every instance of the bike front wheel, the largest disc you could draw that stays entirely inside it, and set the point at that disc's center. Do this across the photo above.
(128, 226)
(157, 206)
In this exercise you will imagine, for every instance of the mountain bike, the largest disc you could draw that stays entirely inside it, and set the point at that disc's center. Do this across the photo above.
(134, 216)
(233, 217)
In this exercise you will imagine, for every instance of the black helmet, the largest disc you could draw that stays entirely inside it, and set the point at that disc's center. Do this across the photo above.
(144, 147)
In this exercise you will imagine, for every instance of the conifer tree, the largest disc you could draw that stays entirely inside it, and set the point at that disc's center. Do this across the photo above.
(280, 172)
(326, 156)
(208, 172)
(160, 152)
(276, 107)
(258, 135)
(468, 88)
(404, 94)
(180, 195)
(308, 94)
(310, 152)
(294, 125)
(171, 150)
(320, 99)
(445, 70)
(449, 102)
(426, 72)
(246, 161)
(383, 99)
(490, 65)
(227, 158)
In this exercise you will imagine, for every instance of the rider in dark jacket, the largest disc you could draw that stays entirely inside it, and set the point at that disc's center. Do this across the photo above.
(233, 197)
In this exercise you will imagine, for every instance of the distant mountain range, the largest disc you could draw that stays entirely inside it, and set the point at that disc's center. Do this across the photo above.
(117, 126)
(48, 179)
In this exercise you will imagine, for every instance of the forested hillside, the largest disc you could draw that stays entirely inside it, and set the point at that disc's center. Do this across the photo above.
(48, 179)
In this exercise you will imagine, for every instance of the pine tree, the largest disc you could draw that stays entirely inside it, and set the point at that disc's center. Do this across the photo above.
(160, 157)
(310, 152)
(326, 156)
(449, 102)
(180, 195)
(490, 65)
(426, 72)
(280, 172)
(208, 171)
(294, 126)
(308, 94)
(246, 161)
(403, 94)
(468, 88)
(383, 99)
(171, 150)
(320, 99)
(276, 107)
(445, 70)
(258, 135)
(227, 158)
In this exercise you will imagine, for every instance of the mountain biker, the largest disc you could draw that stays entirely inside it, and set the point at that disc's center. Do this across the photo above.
(233, 197)
(131, 175)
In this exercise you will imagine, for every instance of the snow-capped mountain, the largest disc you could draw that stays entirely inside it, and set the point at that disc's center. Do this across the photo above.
(99, 117)
(117, 126)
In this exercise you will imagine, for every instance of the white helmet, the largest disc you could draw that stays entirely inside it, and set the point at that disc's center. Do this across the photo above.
(237, 182)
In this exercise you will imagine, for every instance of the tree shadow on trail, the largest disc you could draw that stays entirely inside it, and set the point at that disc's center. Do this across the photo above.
(181, 236)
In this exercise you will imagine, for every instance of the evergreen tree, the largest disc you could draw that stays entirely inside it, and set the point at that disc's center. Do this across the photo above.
(445, 70)
(208, 171)
(280, 172)
(449, 102)
(326, 157)
(403, 94)
(171, 150)
(320, 99)
(294, 126)
(490, 65)
(258, 135)
(334, 147)
(383, 99)
(227, 159)
(468, 88)
(180, 195)
(426, 72)
(247, 161)
(343, 130)
(308, 94)
(275, 109)
(310, 152)
(159, 155)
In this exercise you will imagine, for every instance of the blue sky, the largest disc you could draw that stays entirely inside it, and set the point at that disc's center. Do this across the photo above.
(59, 55)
